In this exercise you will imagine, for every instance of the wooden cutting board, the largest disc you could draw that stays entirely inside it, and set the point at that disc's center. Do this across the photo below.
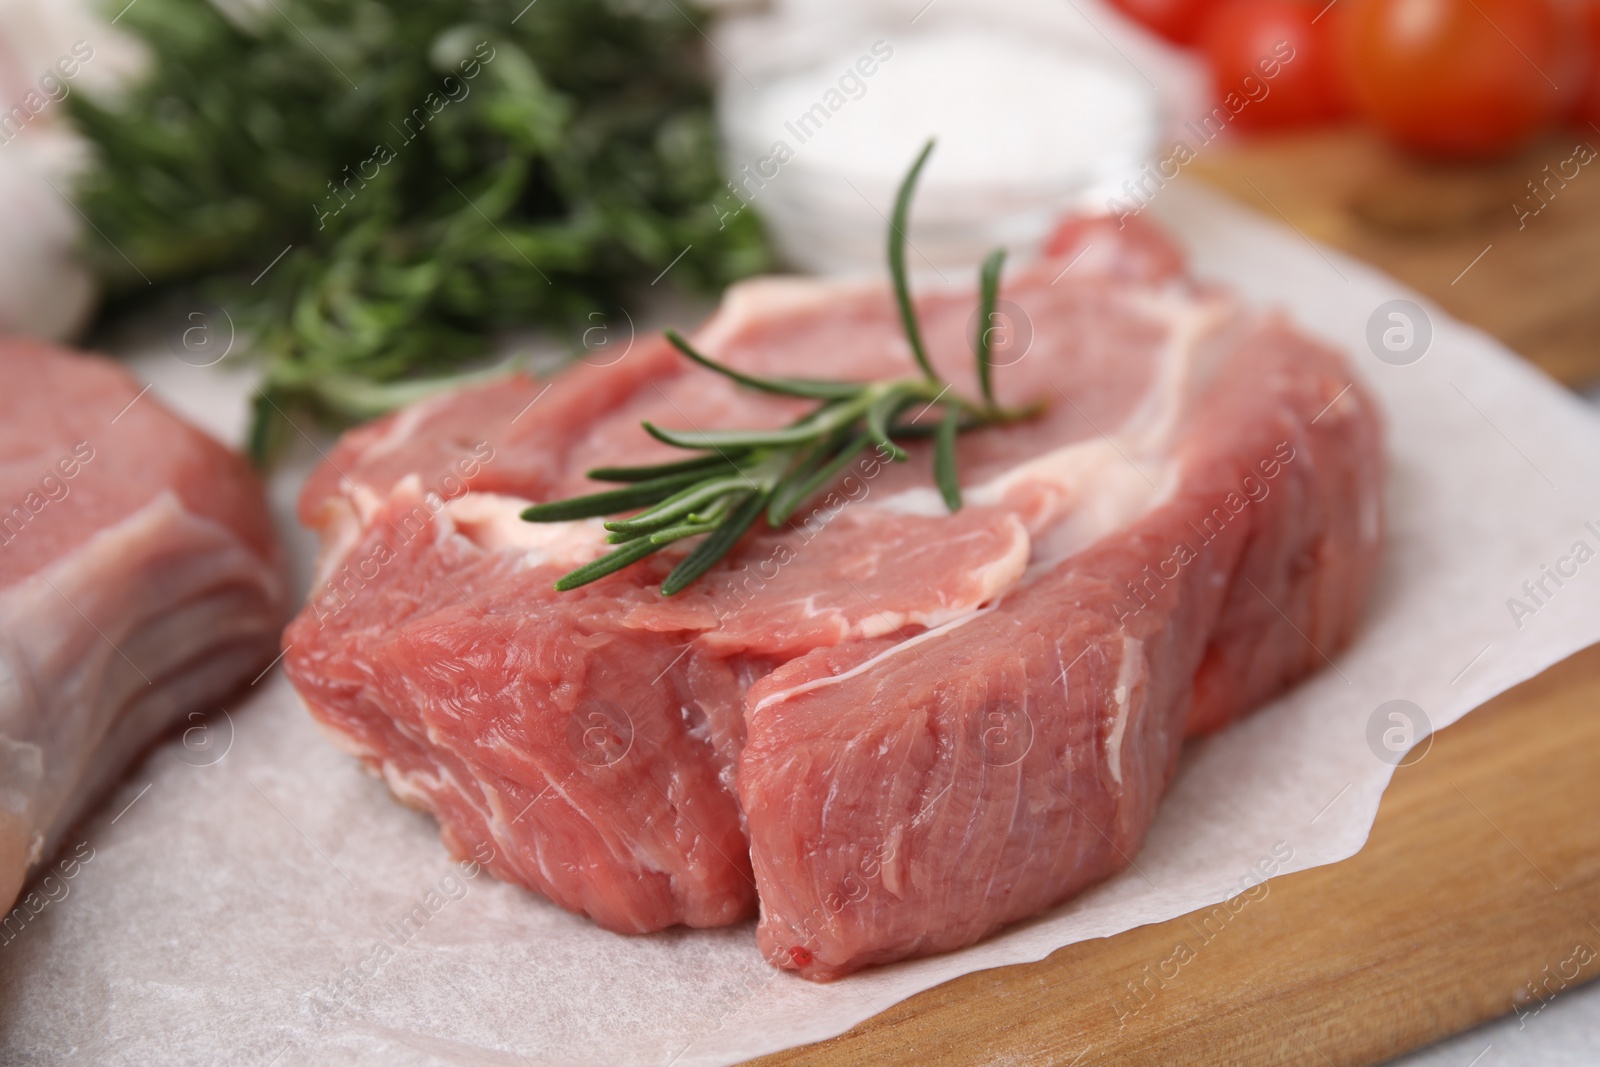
(1483, 868)
(1457, 233)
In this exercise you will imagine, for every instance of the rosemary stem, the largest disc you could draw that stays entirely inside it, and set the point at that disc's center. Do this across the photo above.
(742, 473)
(897, 263)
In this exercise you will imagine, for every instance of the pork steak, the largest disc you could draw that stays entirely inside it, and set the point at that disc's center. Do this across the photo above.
(140, 580)
(895, 728)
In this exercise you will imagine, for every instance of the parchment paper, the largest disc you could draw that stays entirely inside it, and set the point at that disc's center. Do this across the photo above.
(247, 895)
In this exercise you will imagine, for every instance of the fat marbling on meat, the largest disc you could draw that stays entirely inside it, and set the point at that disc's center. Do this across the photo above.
(886, 730)
(140, 580)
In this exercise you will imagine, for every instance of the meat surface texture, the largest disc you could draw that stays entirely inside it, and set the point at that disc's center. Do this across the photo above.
(139, 581)
(886, 729)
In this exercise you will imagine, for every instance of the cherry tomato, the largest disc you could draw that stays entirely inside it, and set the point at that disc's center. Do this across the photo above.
(1462, 78)
(1588, 104)
(1179, 21)
(1273, 63)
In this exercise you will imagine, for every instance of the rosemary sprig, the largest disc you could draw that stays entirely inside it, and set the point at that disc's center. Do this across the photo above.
(897, 262)
(745, 473)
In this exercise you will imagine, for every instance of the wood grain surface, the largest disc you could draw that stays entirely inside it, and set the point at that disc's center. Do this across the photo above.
(1537, 284)
(1482, 875)
(1480, 879)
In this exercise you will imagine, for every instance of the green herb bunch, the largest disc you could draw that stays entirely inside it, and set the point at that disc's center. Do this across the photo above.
(742, 474)
(443, 170)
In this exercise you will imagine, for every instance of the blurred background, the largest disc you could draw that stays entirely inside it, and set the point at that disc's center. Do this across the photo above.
(353, 203)
(357, 200)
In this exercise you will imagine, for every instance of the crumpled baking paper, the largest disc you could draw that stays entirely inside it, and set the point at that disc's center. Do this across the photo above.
(251, 896)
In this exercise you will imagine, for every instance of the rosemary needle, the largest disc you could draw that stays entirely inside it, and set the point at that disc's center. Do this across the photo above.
(743, 473)
(897, 262)
(988, 298)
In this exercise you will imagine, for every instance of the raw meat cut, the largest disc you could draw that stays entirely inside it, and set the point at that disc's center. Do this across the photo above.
(139, 580)
(896, 728)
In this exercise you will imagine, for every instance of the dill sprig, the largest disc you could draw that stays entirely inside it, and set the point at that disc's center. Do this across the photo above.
(742, 475)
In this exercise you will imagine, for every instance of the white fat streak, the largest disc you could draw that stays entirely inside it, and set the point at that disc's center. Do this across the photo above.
(493, 521)
(922, 501)
(361, 503)
(1103, 476)
(1182, 373)
(1127, 676)
(353, 516)
(339, 536)
(349, 744)
(903, 646)
(1106, 497)
(366, 502)
(992, 579)
(1106, 483)
(415, 788)
(420, 788)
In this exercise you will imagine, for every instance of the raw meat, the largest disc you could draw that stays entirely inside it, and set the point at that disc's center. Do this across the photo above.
(897, 728)
(139, 580)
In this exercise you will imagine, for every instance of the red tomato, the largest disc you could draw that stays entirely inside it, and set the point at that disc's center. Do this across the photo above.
(1464, 78)
(1179, 21)
(1588, 108)
(1273, 63)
